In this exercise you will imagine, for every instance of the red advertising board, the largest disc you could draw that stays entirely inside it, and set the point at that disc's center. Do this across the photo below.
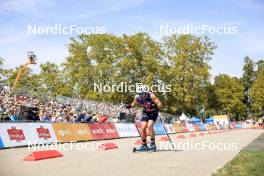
(43, 133)
(97, 131)
(15, 134)
(183, 128)
(110, 130)
(196, 127)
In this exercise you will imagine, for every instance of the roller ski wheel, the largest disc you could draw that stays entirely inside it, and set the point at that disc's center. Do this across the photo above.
(152, 148)
(140, 149)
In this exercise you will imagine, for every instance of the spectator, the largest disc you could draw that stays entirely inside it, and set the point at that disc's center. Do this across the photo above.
(13, 116)
(81, 116)
(62, 109)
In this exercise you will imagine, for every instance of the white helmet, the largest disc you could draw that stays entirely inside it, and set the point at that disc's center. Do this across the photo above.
(141, 89)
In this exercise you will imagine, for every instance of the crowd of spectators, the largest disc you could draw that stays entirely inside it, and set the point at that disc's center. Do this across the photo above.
(60, 109)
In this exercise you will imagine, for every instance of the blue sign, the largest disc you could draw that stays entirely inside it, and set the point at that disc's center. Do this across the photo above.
(202, 127)
(158, 128)
(238, 126)
(1, 143)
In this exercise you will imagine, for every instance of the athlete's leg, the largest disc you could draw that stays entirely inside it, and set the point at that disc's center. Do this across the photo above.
(150, 125)
(144, 121)
(144, 131)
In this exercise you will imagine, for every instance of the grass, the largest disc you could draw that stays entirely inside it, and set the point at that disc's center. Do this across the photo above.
(246, 163)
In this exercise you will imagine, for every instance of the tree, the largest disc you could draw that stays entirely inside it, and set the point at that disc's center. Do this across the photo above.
(258, 93)
(27, 83)
(1, 68)
(248, 80)
(4, 73)
(186, 69)
(260, 65)
(212, 105)
(141, 61)
(110, 60)
(179, 61)
(229, 94)
(50, 79)
(92, 59)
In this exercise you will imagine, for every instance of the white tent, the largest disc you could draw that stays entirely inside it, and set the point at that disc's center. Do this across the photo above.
(183, 117)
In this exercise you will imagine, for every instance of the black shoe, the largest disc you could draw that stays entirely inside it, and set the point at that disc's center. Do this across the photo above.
(152, 147)
(142, 147)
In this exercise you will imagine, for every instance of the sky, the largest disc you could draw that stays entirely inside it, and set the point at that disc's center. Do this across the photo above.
(119, 17)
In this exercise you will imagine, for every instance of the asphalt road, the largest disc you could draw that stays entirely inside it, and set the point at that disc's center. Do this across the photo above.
(187, 160)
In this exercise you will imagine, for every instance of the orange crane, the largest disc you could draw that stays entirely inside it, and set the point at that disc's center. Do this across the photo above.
(31, 60)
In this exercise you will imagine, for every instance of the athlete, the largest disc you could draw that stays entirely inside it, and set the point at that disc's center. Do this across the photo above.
(151, 106)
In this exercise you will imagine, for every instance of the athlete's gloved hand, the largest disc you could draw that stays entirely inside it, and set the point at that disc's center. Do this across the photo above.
(128, 106)
(145, 105)
(149, 110)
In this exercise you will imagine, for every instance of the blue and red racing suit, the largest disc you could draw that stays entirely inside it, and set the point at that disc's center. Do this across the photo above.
(150, 108)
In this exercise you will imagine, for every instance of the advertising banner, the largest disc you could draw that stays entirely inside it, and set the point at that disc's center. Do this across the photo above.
(246, 125)
(184, 128)
(15, 134)
(64, 132)
(82, 132)
(42, 133)
(190, 127)
(126, 130)
(208, 127)
(202, 127)
(214, 127)
(177, 127)
(238, 126)
(232, 125)
(169, 128)
(159, 129)
(140, 129)
(1, 143)
(180, 128)
(217, 126)
(97, 131)
(196, 127)
(226, 126)
(110, 130)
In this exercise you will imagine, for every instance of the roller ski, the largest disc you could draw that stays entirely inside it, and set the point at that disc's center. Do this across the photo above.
(152, 147)
(142, 148)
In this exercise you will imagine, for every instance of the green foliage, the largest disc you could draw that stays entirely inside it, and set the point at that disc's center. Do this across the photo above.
(181, 61)
(229, 94)
(260, 65)
(4, 73)
(246, 163)
(50, 79)
(109, 59)
(186, 69)
(258, 93)
(248, 80)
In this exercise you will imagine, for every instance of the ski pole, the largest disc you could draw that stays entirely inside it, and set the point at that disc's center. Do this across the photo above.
(166, 133)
